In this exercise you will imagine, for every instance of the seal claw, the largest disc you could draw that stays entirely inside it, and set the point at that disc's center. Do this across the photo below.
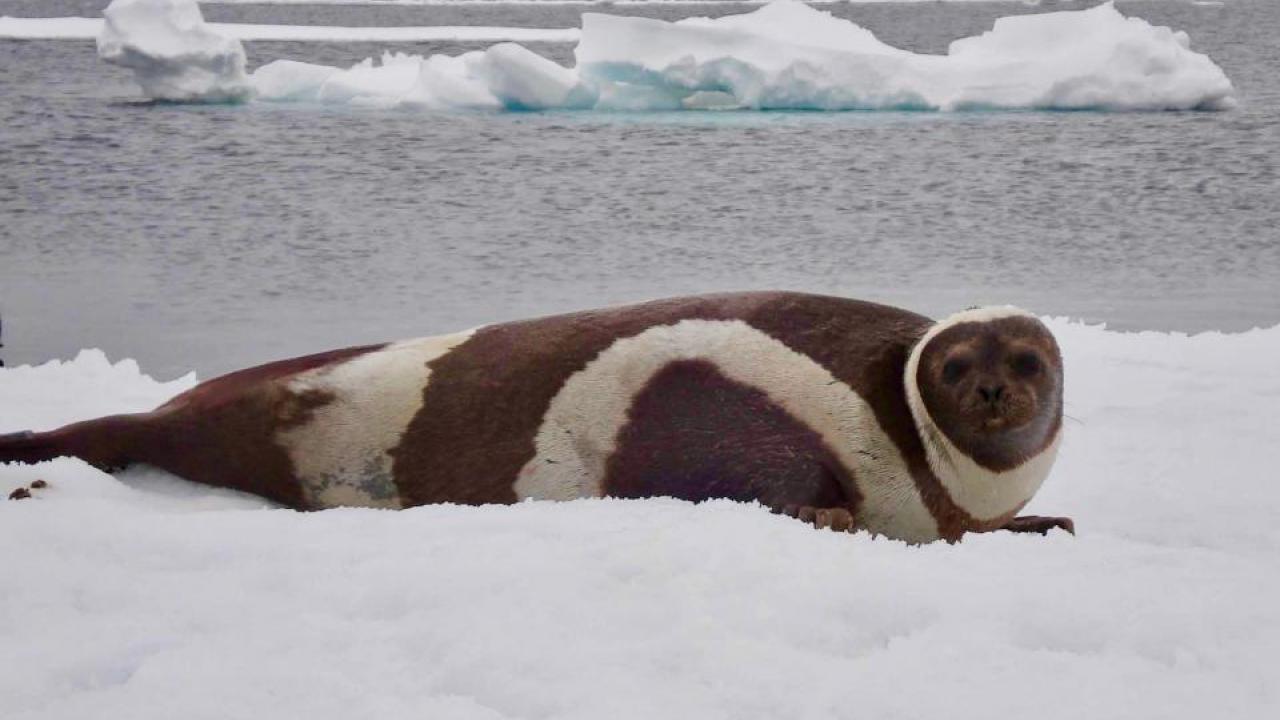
(842, 520)
(837, 519)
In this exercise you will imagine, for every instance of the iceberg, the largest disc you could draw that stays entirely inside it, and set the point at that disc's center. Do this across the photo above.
(173, 54)
(782, 56)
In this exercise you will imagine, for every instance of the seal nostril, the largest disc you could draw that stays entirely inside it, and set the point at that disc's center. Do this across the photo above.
(992, 393)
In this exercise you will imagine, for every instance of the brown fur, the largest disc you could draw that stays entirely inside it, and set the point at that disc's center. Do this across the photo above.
(486, 398)
(694, 434)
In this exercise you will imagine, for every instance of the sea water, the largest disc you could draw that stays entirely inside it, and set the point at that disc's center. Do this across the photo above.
(212, 237)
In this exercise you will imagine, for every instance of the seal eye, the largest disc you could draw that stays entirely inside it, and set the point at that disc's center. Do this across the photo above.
(1026, 364)
(954, 369)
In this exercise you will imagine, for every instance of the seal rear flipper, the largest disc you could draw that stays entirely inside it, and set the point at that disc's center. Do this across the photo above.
(106, 443)
(26, 447)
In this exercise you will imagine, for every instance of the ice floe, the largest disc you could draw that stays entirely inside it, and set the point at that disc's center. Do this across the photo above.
(140, 596)
(784, 55)
(787, 55)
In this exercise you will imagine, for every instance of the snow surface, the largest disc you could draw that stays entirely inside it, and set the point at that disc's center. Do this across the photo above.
(147, 597)
(173, 54)
(784, 55)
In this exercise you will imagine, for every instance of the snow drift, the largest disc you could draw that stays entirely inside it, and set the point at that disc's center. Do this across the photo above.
(785, 55)
(153, 598)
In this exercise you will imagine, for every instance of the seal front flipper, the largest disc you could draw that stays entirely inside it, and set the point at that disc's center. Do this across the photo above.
(1039, 524)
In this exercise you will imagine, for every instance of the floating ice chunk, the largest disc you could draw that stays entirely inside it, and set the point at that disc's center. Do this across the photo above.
(524, 80)
(292, 80)
(1095, 58)
(504, 76)
(369, 84)
(173, 55)
(439, 81)
(795, 23)
(453, 82)
(784, 55)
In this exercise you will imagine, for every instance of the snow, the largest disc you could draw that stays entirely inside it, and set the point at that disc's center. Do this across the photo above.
(78, 28)
(173, 54)
(145, 597)
(784, 55)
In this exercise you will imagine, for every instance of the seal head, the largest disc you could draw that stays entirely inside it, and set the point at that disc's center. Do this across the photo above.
(985, 389)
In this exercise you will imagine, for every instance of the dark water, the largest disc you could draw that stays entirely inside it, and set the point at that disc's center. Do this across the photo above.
(214, 237)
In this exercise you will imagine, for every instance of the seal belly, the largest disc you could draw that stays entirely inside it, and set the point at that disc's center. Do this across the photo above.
(340, 453)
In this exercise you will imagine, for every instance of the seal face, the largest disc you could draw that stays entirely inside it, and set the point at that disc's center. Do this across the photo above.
(985, 388)
(994, 388)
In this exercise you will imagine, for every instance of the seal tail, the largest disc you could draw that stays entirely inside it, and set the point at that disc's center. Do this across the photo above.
(106, 443)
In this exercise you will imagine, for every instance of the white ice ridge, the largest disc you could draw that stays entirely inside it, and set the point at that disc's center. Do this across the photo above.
(614, 2)
(785, 55)
(81, 28)
(594, 2)
(140, 596)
